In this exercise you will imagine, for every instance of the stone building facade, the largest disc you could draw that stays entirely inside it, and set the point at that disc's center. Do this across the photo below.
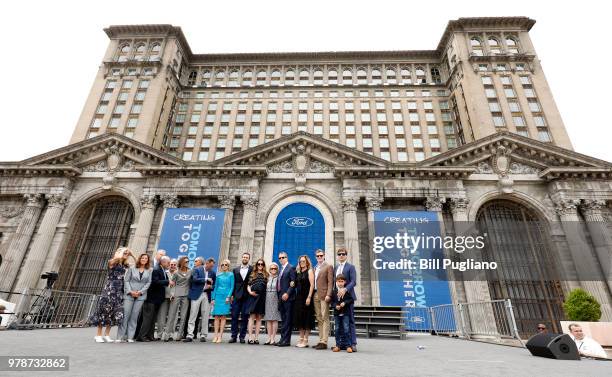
(469, 130)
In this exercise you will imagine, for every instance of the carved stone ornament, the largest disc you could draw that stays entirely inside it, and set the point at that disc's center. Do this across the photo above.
(349, 204)
(374, 204)
(227, 201)
(148, 201)
(434, 203)
(319, 167)
(114, 158)
(484, 168)
(10, 212)
(459, 204)
(250, 203)
(592, 207)
(566, 206)
(34, 200)
(99, 166)
(57, 200)
(170, 200)
(501, 161)
(301, 158)
(281, 167)
(518, 168)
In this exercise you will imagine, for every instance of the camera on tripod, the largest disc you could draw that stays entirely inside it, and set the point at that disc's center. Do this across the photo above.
(51, 277)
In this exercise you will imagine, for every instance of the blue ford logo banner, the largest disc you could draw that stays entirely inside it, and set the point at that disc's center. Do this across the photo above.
(299, 222)
(298, 229)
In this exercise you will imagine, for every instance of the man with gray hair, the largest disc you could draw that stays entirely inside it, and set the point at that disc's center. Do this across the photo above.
(158, 254)
(200, 280)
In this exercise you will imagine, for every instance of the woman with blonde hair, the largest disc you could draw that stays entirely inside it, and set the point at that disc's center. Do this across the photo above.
(178, 301)
(303, 309)
(220, 298)
(135, 285)
(256, 305)
(109, 311)
(272, 314)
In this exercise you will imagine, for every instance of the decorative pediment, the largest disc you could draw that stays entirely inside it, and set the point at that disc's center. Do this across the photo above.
(507, 154)
(323, 153)
(107, 152)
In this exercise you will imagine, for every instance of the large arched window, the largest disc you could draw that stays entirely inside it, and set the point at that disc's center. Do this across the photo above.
(376, 76)
(247, 77)
(347, 77)
(124, 52)
(261, 77)
(476, 45)
(527, 268)
(390, 76)
(406, 73)
(362, 76)
(98, 229)
(512, 45)
(141, 49)
(332, 76)
(494, 47)
(435, 75)
(275, 77)
(155, 50)
(318, 76)
(420, 75)
(233, 78)
(289, 77)
(304, 76)
(219, 77)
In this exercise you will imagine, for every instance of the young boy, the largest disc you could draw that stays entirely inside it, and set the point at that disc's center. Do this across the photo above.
(341, 316)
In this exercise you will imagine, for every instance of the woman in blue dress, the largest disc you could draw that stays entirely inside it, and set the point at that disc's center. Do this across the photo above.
(220, 299)
(109, 311)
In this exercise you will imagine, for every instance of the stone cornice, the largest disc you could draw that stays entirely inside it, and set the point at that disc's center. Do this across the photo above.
(21, 170)
(576, 173)
(148, 30)
(471, 23)
(407, 171)
(502, 58)
(202, 171)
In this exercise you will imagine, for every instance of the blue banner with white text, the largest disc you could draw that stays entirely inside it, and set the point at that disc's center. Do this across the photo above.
(192, 232)
(408, 274)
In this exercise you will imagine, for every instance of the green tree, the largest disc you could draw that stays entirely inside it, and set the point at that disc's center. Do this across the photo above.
(581, 306)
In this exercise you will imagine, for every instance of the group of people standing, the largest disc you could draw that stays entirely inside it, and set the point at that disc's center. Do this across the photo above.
(171, 295)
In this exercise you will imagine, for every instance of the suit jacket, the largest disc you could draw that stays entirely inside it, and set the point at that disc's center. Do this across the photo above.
(240, 285)
(157, 289)
(133, 282)
(325, 280)
(347, 299)
(287, 281)
(351, 278)
(196, 285)
(213, 276)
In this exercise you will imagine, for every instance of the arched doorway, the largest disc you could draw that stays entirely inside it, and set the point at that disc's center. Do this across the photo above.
(99, 229)
(299, 229)
(527, 275)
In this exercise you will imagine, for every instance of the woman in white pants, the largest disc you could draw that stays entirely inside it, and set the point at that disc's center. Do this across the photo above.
(135, 285)
(178, 301)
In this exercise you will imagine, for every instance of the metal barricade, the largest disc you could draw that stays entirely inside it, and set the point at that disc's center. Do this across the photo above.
(48, 308)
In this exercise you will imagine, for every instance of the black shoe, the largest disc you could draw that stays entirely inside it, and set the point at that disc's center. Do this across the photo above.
(203, 339)
(251, 341)
(139, 339)
(354, 347)
(283, 345)
(242, 341)
(233, 340)
(188, 339)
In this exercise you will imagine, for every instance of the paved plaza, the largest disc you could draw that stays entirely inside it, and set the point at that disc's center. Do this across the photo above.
(376, 357)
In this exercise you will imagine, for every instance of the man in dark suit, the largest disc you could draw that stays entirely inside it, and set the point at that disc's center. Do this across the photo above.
(285, 287)
(240, 316)
(210, 277)
(155, 297)
(349, 272)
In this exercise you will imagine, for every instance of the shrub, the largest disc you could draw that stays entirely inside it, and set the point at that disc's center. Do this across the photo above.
(581, 306)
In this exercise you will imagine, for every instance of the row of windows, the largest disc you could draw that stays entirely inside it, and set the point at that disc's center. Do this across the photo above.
(314, 76)
(316, 94)
(138, 51)
(493, 45)
(145, 71)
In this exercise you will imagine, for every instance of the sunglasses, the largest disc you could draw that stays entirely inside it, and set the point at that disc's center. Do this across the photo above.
(260, 264)
(319, 256)
(541, 328)
(282, 257)
(273, 268)
(341, 254)
(224, 264)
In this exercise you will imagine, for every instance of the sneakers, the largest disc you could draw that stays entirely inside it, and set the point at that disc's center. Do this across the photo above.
(120, 341)
(107, 339)
(130, 340)
(98, 339)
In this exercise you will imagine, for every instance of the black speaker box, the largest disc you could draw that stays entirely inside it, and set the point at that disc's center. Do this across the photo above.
(553, 346)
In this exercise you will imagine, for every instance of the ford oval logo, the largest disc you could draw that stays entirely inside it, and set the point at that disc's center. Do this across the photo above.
(299, 222)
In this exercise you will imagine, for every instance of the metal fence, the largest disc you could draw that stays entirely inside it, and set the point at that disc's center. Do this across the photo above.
(487, 320)
(49, 308)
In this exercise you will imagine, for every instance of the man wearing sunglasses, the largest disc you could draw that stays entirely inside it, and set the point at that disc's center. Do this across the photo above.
(324, 280)
(285, 287)
(240, 315)
(349, 272)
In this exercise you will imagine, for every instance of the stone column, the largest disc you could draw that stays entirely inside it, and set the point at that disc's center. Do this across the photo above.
(600, 236)
(373, 204)
(586, 263)
(351, 239)
(19, 243)
(228, 202)
(168, 200)
(140, 240)
(30, 274)
(247, 234)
